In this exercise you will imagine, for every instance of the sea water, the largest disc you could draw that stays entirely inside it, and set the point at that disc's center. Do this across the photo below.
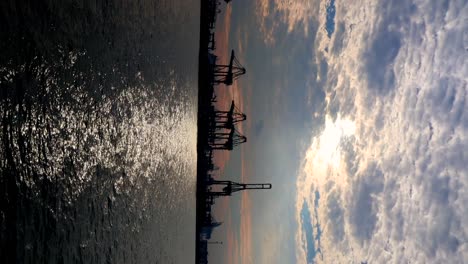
(98, 131)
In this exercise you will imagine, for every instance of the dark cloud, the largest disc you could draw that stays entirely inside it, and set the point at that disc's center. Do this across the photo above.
(339, 38)
(363, 211)
(349, 155)
(385, 45)
(379, 60)
(318, 235)
(335, 104)
(323, 70)
(336, 215)
(439, 236)
(447, 98)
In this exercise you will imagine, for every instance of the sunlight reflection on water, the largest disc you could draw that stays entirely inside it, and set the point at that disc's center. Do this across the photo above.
(98, 126)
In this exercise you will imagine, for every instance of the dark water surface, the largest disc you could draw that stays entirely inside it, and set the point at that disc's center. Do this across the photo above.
(98, 131)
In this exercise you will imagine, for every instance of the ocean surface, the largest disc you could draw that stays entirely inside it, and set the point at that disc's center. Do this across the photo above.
(98, 104)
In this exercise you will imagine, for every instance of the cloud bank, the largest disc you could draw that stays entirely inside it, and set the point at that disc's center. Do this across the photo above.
(394, 188)
(295, 14)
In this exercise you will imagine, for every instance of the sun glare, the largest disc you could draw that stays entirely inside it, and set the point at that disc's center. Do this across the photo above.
(322, 165)
(328, 148)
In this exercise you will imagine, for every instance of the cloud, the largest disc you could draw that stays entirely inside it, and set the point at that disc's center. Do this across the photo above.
(398, 71)
(295, 14)
(339, 38)
(335, 214)
(385, 44)
(379, 60)
(363, 206)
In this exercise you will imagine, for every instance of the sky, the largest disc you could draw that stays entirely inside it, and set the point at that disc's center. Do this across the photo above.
(358, 116)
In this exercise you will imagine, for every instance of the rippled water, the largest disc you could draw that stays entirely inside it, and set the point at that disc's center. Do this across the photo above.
(98, 131)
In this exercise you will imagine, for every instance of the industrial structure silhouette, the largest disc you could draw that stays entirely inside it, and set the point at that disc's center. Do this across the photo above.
(217, 129)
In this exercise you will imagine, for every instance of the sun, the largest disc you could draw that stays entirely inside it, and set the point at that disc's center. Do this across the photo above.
(323, 160)
(328, 151)
(322, 170)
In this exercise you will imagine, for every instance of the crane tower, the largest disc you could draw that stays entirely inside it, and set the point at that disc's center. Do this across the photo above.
(226, 74)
